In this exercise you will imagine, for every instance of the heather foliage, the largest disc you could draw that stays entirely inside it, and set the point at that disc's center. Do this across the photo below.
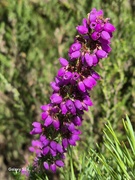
(33, 35)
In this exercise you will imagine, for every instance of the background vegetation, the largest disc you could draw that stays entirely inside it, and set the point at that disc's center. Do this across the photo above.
(33, 35)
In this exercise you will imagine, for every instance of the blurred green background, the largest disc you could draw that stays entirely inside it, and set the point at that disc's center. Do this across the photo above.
(33, 35)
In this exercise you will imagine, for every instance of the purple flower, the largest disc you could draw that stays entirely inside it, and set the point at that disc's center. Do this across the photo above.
(93, 25)
(82, 29)
(75, 47)
(77, 121)
(46, 165)
(81, 86)
(63, 108)
(78, 104)
(53, 167)
(55, 87)
(48, 121)
(109, 27)
(105, 35)
(37, 128)
(63, 61)
(101, 54)
(59, 163)
(75, 55)
(70, 106)
(95, 35)
(89, 59)
(56, 98)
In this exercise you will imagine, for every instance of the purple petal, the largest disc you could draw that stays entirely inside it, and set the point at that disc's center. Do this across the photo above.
(101, 54)
(81, 86)
(95, 35)
(95, 59)
(46, 165)
(48, 121)
(44, 115)
(105, 35)
(53, 145)
(88, 59)
(53, 167)
(82, 29)
(75, 54)
(93, 25)
(53, 152)
(63, 61)
(67, 75)
(77, 121)
(59, 163)
(36, 124)
(46, 150)
(109, 27)
(56, 124)
(65, 143)
(71, 127)
(78, 104)
(61, 71)
(56, 98)
(63, 108)
(84, 22)
(54, 86)
(106, 48)
(59, 148)
(75, 47)
(95, 75)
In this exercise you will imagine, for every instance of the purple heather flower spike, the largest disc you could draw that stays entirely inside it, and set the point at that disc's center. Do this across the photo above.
(56, 98)
(53, 167)
(109, 27)
(63, 61)
(88, 59)
(101, 54)
(82, 29)
(95, 35)
(81, 86)
(46, 165)
(48, 121)
(105, 35)
(59, 163)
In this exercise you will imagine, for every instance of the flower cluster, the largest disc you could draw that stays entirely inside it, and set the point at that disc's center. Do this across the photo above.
(70, 98)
